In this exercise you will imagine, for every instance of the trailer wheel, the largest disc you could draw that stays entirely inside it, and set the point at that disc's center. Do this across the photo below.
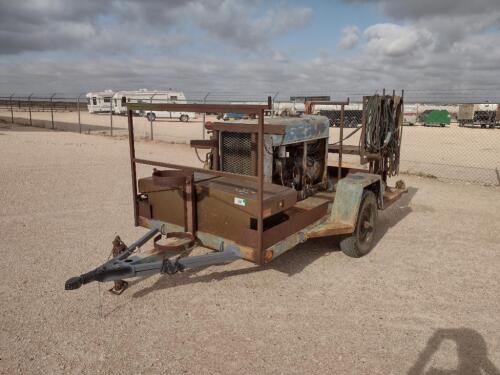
(361, 241)
(184, 118)
(151, 116)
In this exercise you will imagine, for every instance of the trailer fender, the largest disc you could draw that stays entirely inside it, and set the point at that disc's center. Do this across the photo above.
(349, 193)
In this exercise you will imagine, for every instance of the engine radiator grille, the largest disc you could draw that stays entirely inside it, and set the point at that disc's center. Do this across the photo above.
(236, 153)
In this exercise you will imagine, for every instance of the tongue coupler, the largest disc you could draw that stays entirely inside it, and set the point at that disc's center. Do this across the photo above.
(115, 268)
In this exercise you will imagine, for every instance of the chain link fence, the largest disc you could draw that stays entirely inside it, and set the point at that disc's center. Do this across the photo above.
(450, 137)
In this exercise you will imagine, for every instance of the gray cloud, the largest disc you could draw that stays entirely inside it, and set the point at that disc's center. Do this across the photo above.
(395, 41)
(108, 25)
(232, 22)
(448, 20)
(412, 9)
(349, 38)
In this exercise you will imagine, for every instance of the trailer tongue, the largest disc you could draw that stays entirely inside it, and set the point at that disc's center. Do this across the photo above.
(125, 265)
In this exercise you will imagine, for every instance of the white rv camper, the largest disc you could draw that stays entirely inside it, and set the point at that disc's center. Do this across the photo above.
(121, 98)
(99, 102)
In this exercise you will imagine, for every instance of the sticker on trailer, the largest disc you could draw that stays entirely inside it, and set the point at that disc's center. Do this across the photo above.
(240, 201)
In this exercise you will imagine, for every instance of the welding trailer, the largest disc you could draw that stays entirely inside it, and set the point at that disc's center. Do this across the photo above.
(265, 187)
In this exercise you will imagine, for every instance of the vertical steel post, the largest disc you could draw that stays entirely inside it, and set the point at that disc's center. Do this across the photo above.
(29, 107)
(111, 117)
(11, 109)
(132, 165)
(151, 120)
(260, 188)
(52, 110)
(203, 128)
(339, 174)
(78, 109)
(274, 98)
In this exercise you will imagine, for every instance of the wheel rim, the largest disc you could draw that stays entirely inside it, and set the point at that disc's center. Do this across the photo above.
(366, 226)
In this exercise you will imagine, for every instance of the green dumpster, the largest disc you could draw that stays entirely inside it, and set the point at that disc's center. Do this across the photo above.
(436, 117)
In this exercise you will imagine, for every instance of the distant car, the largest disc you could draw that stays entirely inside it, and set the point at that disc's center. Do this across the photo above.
(233, 116)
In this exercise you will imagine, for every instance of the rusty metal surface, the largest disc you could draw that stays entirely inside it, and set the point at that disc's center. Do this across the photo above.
(146, 184)
(296, 129)
(302, 129)
(246, 127)
(133, 172)
(341, 141)
(201, 170)
(330, 228)
(309, 104)
(190, 205)
(204, 143)
(298, 218)
(229, 193)
(144, 207)
(211, 241)
(200, 108)
(118, 248)
(348, 197)
(169, 179)
(176, 242)
(168, 206)
(392, 194)
(346, 149)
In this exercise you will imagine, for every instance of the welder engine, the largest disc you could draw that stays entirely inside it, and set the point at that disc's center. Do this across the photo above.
(292, 170)
(295, 152)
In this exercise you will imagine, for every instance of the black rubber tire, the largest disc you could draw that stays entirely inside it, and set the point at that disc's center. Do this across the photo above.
(184, 118)
(151, 116)
(361, 241)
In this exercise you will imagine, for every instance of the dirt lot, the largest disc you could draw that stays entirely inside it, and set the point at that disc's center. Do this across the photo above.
(426, 299)
(451, 153)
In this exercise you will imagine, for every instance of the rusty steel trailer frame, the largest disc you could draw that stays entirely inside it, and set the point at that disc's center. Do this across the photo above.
(204, 108)
(325, 213)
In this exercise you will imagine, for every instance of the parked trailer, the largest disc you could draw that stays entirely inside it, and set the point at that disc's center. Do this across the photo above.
(122, 98)
(99, 102)
(267, 187)
(410, 114)
(353, 114)
(483, 115)
(435, 117)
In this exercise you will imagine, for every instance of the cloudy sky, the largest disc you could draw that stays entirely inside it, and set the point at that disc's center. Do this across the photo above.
(436, 47)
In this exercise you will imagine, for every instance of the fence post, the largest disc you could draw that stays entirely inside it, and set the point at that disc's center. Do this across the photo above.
(151, 120)
(111, 116)
(203, 128)
(52, 110)
(78, 109)
(11, 110)
(274, 98)
(29, 107)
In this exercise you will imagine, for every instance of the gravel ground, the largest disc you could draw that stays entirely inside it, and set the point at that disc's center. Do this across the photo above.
(426, 298)
(450, 153)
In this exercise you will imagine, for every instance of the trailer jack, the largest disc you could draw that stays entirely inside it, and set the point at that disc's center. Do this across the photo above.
(123, 265)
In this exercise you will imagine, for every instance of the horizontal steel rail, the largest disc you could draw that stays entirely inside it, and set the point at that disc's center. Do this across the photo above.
(195, 169)
(200, 107)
